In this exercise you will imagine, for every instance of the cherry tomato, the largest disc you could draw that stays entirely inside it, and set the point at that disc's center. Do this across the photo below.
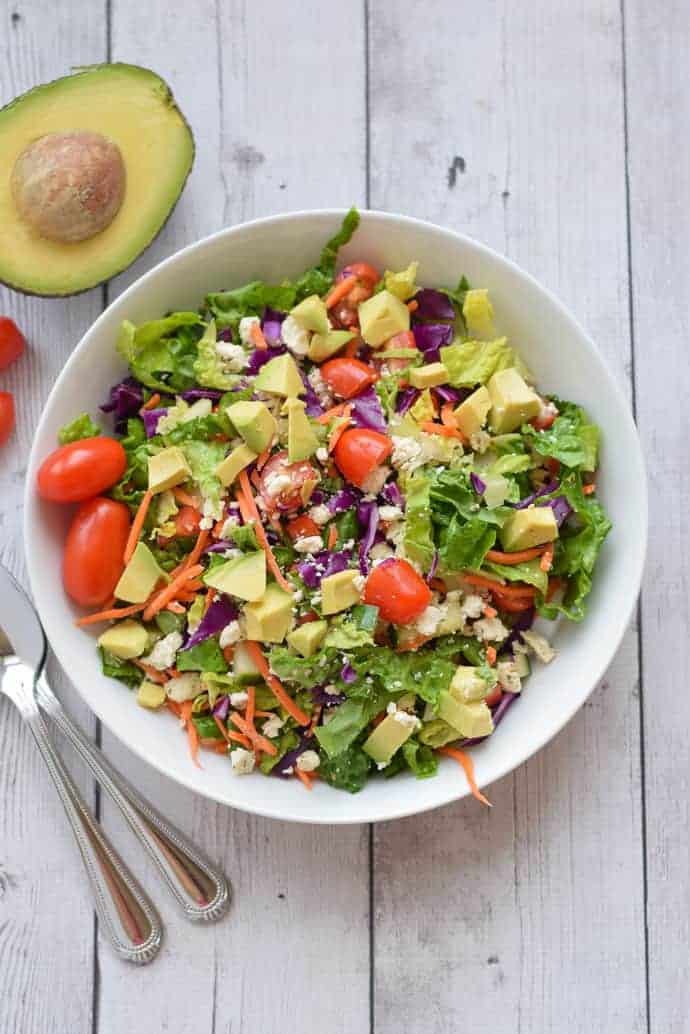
(12, 342)
(94, 551)
(282, 482)
(398, 591)
(494, 697)
(302, 527)
(360, 451)
(81, 470)
(347, 377)
(306, 619)
(187, 521)
(362, 270)
(6, 416)
(545, 418)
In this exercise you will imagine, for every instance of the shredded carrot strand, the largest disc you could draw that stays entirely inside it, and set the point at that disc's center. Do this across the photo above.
(351, 349)
(257, 336)
(448, 416)
(175, 608)
(172, 705)
(245, 493)
(468, 766)
(255, 479)
(274, 684)
(438, 584)
(496, 556)
(512, 606)
(589, 489)
(250, 709)
(490, 612)
(340, 429)
(412, 644)
(331, 414)
(546, 561)
(110, 615)
(495, 586)
(491, 655)
(192, 734)
(152, 674)
(332, 536)
(340, 291)
(262, 458)
(170, 591)
(152, 402)
(191, 559)
(445, 432)
(217, 746)
(257, 739)
(413, 305)
(303, 778)
(137, 525)
(185, 497)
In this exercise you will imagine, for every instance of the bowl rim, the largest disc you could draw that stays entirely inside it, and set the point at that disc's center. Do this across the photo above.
(620, 620)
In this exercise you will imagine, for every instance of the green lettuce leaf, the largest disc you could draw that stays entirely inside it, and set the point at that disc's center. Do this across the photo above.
(81, 427)
(529, 572)
(464, 544)
(305, 672)
(206, 727)
(161, 352)
(571, 438)
(206, 656)
(348, 770)
(286, 741)
(474, 362)
(229, 307)
(203, 458)
(420, 758)
(319, 279)
(451, 492)
(347, 636)
(115, 668)
(208, 366)
(351, 718)
(418, 534)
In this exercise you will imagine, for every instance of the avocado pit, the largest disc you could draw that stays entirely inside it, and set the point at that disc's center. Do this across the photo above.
(69, 186)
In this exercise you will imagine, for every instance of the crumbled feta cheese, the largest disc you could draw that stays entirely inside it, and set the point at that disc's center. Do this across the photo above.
(490, 630)
(430, 619)
(162, 655)
(320, 514)
(390, 513)
(408, 721)
(288, 771)
(374, 482)
(322, 454)
(380, 552)
(358, 582)
(407, 453)
(183, 687)
(234, 356)
(272, 726)
(246, 324)
(297, 596)
(206, 523)
(395, 532)
(472, 607)
(316, 599)
(295, 337)
(380, 765)
(320, 387)
(242, 761)
(392, 707)
(229, 526)
(308, 544)
(480, 441)
(308, 761)
(331, 690)
(508, 676)
(238, 701)
(275, 483)
(230, 635)
(540, 646)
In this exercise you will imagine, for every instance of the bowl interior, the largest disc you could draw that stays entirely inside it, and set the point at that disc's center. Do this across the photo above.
(564, 361)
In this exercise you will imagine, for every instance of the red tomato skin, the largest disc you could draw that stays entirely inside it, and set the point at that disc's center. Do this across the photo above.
(7, 417)
(81, 470)
(289, 498)
(187, 521)
(12, 341)
(348, 377)
(360, 451)
(398, 591)
(302, 527)
(94, 551)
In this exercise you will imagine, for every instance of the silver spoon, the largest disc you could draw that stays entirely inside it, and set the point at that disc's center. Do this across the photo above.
(200, 889)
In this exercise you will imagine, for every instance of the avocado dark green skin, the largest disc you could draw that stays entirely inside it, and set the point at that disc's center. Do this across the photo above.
(170, 100)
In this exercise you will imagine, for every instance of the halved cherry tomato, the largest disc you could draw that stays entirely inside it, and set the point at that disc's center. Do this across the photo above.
(362, 270)
(545, 418)
(187, 521)
(398, 591)
(302, 527)
(94, 551)
(494, 697)
(306, 619)
(81, 470)
(6, 415)
(360, 451)
(347, 377)
(12, 341)
(282, 482)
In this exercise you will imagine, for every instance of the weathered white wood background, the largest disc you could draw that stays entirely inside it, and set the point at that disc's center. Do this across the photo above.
(567, 129)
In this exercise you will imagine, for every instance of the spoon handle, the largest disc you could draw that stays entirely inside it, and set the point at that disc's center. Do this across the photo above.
(127, 917)
(200, 889)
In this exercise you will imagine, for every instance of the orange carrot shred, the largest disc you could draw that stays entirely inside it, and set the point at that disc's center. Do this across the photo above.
(172, 705)
(351, 349)
(448, 416)
(262, 458)
(303, 778)
(110, 615)
(340, 291)
(589, 489)
(255, 479)
(175, 608)
(192, 734)
(137, 525)
(340, 429)
(463, 759)
(245, 494)
(491, 655)
(170, 591)
(228, 654)
(497, 556)
(152, 402)
(274, 684)
(413, 305)
(256, 738)
(547, 558)
(332, 536)
(152, 674)
(446, 432)
(250, 709)
(185, 497)
(331, 414)
(490, 612)
(480, 580)
(257, 336)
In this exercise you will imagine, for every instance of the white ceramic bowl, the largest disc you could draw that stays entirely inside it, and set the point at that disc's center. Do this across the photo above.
(564, 360)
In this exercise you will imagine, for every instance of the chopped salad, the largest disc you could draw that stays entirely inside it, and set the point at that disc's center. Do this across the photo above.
(334, 507)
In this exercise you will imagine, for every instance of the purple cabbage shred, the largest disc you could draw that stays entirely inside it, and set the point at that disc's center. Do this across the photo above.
(151, 418)
(477, 484)
(219, 614)
(431, 337)
(406, 399)
(433, 305)
(367, 411)
(222, 708)
(368, 520)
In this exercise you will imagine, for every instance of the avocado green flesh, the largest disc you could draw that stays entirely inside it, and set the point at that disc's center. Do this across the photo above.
(133, 107)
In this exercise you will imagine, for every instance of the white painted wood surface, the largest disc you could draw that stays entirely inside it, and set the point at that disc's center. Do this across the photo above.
(531, 918)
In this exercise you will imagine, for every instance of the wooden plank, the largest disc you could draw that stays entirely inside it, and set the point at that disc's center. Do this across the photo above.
(46, 918)
(657, 40)
(530, 917)
(300, 891)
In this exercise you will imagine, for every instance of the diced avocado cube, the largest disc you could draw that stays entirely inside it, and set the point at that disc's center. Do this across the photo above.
(429, 376)
(472, 413)
(244, 577)
(302, 440)
(513, 402)
(140, 577)
(323, 346)
(467, 684)
(243, 662)
(437, 733)
(470, 718)
(255, 422)
(522, 665)
(389, 736)
(311, 314)
(478, 314)
(150, 695)
(423, 408)
(280, 376)
(527, 528)
(496, 491)
(308, 638)
(127, 639)
(403, 284)
(228, 469)
(167, 469)
(382, 316)
(268, 619)
(339, 591)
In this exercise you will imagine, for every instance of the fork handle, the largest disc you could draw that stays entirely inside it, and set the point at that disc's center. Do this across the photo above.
(127, 917)
(200, 888)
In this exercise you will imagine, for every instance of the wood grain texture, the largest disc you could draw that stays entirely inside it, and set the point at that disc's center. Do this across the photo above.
(657, 42)
(302, 893)
(46, 923)
(530, 917)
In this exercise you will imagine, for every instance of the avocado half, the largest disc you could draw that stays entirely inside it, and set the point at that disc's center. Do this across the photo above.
(135, 109)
